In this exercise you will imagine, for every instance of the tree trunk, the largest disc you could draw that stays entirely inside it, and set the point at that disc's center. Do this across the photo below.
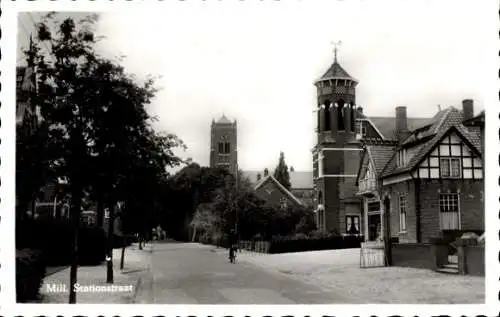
(122, 260)
(33, 207)
(109, 258)
(100, 211)
(76, 205)
(194, 234)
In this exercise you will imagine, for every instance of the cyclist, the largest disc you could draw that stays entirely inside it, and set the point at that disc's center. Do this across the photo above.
(233, 245)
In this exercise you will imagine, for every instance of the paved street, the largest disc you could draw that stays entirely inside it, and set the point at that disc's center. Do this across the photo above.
(188, 273)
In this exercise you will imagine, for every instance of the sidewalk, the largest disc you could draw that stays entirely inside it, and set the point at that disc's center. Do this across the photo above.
(92, 280)
(331, 269)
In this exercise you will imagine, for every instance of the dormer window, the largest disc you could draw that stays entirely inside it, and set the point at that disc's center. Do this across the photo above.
(402, 158)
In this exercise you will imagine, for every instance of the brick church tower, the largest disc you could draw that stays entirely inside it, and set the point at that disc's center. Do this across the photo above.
(337, 152)
(223, 144)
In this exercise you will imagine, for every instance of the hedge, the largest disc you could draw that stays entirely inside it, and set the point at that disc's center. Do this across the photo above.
(285, 245)
(54, 238)
(30, 271)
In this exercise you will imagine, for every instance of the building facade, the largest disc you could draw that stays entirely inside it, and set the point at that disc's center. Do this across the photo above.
(430, 182)
(270, 190)
(223, 144)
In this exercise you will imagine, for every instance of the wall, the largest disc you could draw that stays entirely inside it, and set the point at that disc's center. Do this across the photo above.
(425, 256)
(394, 190)
(276, 194)
(471, 207)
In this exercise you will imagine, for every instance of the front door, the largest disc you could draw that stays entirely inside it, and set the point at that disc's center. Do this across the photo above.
(374, 225)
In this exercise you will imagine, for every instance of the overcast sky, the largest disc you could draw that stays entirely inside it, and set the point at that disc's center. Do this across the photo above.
(256, 62)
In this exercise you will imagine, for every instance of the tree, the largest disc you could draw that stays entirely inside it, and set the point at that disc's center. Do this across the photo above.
(204, 219)
(259, 177)
(281, 172)
(101, 136)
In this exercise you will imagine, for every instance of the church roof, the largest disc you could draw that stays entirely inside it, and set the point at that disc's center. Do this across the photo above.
(223, 119)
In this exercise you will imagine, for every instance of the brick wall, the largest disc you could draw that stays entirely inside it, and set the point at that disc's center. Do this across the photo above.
(274, 198)
(419, 255)
(471, 207)
(332, 203)
(394, 190)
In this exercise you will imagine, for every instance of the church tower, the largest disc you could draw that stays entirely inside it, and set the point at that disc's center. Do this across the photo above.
(223, 144)
(337, 152)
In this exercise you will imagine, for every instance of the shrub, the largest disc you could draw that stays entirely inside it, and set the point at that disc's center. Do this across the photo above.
(30, 271)
(299, 244)
(53, 238)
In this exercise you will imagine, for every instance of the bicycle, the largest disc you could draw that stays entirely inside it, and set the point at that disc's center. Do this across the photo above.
(232, 254)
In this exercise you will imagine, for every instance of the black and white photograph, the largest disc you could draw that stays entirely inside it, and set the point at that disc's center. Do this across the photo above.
(252, 153)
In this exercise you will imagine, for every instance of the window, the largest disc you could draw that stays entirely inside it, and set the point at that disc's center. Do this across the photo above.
(449, 211)
(403, 208)
(450, 167)
(327, 115)
(360, 128)
(352, 224)
(402, 157)
(221, 147)
(374, 206)
(227, 147)
(283, 203)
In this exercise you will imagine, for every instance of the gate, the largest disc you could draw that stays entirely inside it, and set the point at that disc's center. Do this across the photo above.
(372, 254)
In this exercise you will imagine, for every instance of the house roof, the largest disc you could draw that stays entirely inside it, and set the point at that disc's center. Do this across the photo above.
(387, 125)
(445, 122)
(378, 156)
(270, 178)
(298, 179)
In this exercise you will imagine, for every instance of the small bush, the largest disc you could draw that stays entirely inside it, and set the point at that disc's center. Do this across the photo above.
(30, 271)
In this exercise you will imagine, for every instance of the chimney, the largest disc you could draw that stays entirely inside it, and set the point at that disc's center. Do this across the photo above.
(266, 172)
(401, 124)
(468, 109)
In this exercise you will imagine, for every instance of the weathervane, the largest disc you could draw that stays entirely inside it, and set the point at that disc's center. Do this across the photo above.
(336, 46)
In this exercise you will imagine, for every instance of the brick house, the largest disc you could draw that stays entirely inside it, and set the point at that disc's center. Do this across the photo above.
(301, 185)
(270, 190)
(430, 183)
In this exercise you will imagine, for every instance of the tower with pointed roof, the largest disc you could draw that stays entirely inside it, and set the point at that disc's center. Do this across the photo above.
(223, 144)
(337, 152)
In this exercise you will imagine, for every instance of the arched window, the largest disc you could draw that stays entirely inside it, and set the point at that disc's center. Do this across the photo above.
(341, 112)
(327, 115)
(353, 118)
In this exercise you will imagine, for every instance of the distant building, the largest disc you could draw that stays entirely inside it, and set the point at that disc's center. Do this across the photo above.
(270, 190)
(301, 185)
(223, 144)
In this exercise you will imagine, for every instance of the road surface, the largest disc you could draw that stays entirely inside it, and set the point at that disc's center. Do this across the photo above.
(189, 273)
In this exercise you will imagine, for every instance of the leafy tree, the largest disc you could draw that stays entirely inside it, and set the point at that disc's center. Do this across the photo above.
(101, 136)
(281, 172)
